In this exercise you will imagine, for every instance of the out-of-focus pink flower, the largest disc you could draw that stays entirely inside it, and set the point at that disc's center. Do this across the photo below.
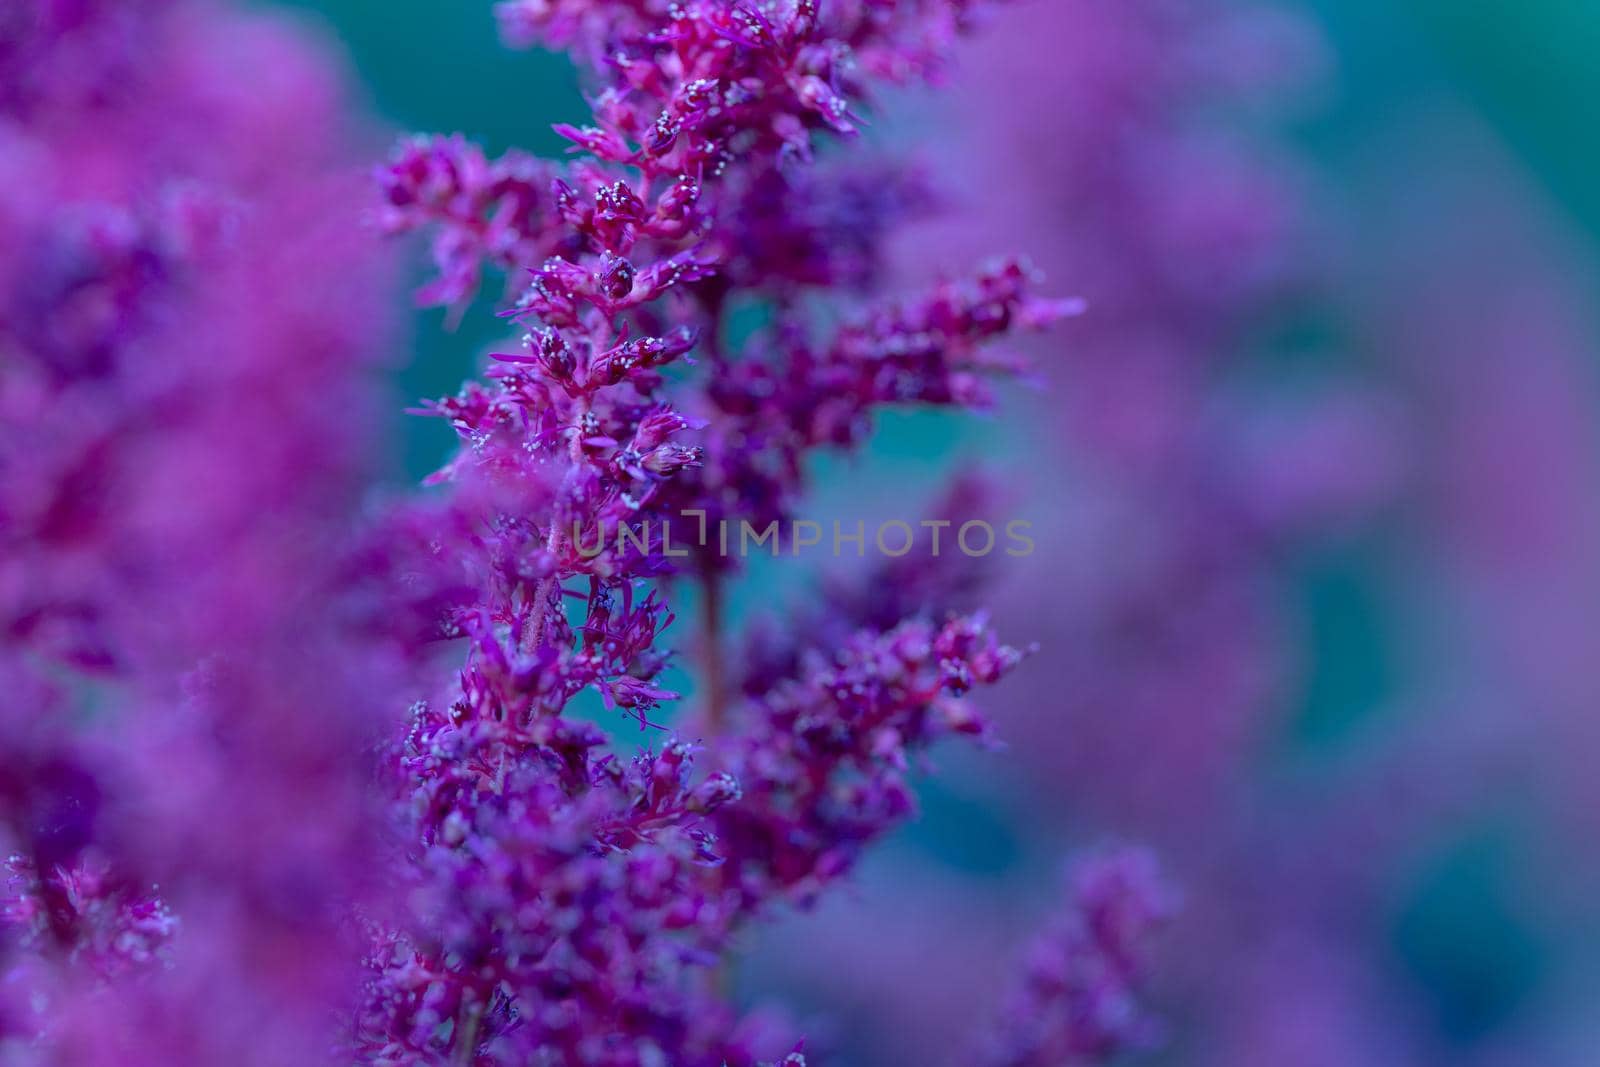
(1077, 1001)
(189, 317)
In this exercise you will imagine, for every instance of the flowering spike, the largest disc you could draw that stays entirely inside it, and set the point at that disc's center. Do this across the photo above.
(1076, 1002)
(567, 902)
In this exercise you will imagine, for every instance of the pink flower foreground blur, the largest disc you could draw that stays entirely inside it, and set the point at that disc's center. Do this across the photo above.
(188, 321)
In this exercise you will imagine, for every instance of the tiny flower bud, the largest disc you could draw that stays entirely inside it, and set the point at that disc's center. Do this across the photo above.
(616, 276)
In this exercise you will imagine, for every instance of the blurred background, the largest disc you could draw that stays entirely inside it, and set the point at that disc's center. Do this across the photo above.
(1318, 492)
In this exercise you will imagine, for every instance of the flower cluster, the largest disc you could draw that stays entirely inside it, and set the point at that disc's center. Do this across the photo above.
(1077, 1003)
(487, 211)
(101, 924)
(561, 905)
(567, 906)
(821, 758)
(766, 74)
(569, 901)
(769, 412)
(690, 89)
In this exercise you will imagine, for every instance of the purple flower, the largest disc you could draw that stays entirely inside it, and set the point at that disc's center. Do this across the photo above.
(486, 211)
(822, 763)
(188, 322)
(565, 905)
(1077, 1002)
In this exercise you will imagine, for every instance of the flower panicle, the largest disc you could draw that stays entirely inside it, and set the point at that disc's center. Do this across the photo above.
(823, 758)
(567, 903)
(1077, 1000)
